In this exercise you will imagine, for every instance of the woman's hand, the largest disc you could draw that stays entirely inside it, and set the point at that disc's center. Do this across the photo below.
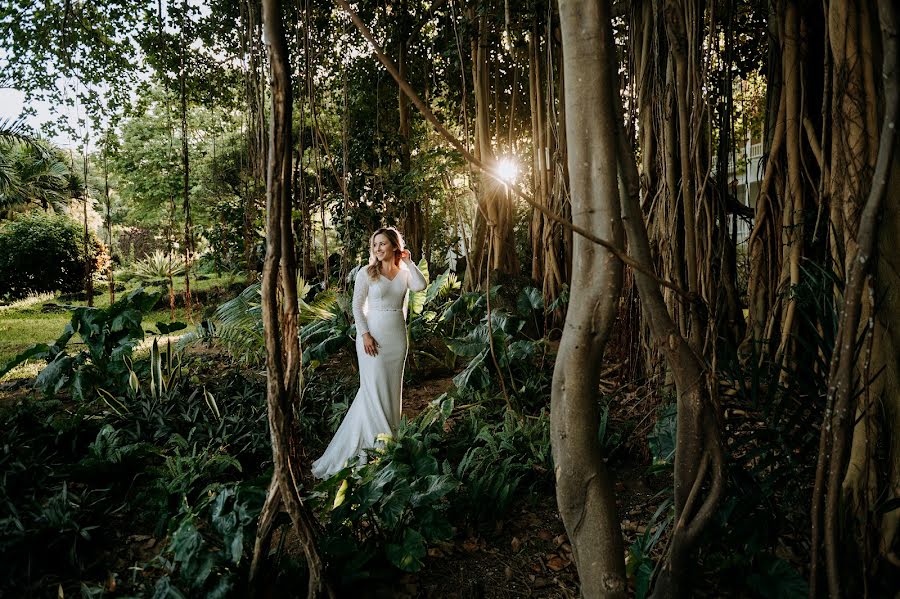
(370, 345)
(405, 256)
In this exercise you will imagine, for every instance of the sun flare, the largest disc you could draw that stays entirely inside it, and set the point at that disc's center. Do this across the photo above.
(507, 169)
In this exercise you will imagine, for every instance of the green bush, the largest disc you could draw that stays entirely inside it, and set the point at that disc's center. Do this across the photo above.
(42, 252)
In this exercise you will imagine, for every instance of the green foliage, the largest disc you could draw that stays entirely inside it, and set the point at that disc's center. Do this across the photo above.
(156, 268)
(777, 579)
(211, 541)
(165, 464)
(391, 507)
(471, 461)
(662, 439)
(499, 458)
(226, 237)
(639, 565)
(34, 174)
(42, 252)
(109, 336)
(41, 513)
(237, 324)
(521, 360)
(326, 336)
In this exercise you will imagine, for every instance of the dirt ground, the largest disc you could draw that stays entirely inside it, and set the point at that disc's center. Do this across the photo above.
(526, 555)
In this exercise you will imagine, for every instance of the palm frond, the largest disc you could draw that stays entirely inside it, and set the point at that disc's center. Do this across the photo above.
(15, 131)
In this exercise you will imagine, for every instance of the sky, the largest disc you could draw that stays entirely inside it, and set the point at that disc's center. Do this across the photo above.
(12, 104)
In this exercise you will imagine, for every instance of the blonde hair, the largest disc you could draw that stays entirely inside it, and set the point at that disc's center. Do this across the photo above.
(393, 235)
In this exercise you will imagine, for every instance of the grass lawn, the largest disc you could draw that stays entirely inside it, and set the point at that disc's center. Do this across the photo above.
(25, 323)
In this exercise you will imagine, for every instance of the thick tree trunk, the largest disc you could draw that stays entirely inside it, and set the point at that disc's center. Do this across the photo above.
(699, 456)
(847, 465)
(583, 487)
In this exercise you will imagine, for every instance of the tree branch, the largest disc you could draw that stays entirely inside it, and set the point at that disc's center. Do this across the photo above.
(618, 252)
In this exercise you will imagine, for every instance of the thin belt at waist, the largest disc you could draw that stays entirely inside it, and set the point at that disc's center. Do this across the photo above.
(386, 309)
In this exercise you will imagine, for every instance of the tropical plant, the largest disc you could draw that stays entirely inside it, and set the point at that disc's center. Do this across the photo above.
(237, 323)
(109, 336)
(639, 561)
(211, 540)
(499, 459)
(500, 342)
(390, 508)
(44, 517)
(156, 268)
(35, 174)
(166, 465)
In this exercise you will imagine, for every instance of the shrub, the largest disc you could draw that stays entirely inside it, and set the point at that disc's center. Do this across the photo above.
(43, 252)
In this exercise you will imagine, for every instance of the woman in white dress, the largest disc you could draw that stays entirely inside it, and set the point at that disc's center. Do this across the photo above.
(379, 309)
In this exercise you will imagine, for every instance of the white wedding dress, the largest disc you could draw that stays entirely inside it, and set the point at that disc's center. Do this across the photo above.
(379, 308)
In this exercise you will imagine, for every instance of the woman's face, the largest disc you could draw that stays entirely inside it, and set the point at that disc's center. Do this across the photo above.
(382, 247)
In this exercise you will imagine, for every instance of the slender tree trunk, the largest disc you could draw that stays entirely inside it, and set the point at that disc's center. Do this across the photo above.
(495, 210)
(109, 235)
(534, 82)
(699, 456)
(345, 176)
(88, 254)
(250, 34)
(280, 324)
(414, 224)
(185, 165)
(557, 240)
(583, 486)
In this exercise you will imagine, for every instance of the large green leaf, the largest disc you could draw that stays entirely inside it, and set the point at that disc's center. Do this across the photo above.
(522, 350)
(529, 300)
(475, 375)
(417, 298)
(52, 378)
(170, 327)
(466, 346)
(394, 504)
(434, 525)
(407, 555)
(436, 486)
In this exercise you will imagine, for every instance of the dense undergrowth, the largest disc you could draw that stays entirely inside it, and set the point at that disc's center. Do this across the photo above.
(173, 448)
(166, 447)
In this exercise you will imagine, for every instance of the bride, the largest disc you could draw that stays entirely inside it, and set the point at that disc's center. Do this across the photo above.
(379, 309)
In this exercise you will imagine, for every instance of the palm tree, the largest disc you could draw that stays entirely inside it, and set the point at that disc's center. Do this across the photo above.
(11, 132)
(33, 172)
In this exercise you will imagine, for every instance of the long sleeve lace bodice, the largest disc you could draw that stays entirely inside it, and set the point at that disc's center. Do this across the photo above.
(379, 307)
(383, 294)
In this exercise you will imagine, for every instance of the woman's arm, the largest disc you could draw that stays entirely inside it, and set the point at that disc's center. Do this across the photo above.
(360, 291)
(416, 278)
